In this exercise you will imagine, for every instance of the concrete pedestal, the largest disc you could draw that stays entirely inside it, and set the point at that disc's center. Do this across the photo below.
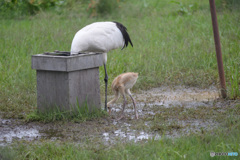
(67, 81)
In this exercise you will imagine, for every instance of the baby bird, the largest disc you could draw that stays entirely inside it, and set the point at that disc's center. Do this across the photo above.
(122, 85)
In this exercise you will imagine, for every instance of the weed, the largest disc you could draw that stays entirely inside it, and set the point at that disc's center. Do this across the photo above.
(234, 81)
(79, 114)
(96, 7)
(229, 4)
(184, 9)
(14, 8)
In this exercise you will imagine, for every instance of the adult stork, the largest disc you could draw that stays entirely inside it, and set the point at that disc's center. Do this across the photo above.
(101, 37)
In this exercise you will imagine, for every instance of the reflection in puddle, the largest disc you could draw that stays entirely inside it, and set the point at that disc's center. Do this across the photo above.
(143, 136)
(19, 133)
(106, 136)
(130, 135)
(8, 134)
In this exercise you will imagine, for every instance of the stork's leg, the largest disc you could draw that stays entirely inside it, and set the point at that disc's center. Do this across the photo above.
(106, 84)
(124, 104)
(113, 101)
(134, 104)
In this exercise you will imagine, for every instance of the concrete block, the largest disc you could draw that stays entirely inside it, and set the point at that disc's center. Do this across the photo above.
(66, 81)
(66, 63)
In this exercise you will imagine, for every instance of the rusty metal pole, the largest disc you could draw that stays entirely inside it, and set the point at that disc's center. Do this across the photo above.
(218, 48)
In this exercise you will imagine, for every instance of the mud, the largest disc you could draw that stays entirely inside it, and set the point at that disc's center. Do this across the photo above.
(178, 95)
(158, 109)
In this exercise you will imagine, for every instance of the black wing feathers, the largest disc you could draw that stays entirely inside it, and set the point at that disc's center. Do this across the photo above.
(126, 37)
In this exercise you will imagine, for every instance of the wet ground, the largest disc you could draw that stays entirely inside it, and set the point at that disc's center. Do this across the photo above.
(164, 111)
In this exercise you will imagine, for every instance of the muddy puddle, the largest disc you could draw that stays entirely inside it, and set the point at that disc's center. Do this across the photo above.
(178, 95)
(162, 112)
(13, 130)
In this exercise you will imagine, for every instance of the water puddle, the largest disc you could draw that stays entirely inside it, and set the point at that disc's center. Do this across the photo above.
(181, 127)
(178, 95)
(9, 133)
(149, 103)
(19, 133)
(127, 134)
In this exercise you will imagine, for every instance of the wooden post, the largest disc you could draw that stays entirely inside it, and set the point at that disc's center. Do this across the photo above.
(218, 48)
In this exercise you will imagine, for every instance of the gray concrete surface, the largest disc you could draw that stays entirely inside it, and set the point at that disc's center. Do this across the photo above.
(66, 81)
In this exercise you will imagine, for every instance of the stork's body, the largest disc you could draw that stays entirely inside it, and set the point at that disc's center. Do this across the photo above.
(101, 37)
(122, 85)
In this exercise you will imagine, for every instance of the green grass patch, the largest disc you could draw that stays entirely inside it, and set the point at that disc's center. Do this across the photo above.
(77, 114)
(173, 45)
(7, 153)
(194, 146)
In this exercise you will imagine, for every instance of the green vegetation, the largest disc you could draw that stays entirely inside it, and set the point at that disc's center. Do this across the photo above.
(80, 114)
(170, 47)
(193, 146)
(173, 45)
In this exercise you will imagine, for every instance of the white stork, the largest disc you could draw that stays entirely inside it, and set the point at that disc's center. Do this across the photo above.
(101, 37)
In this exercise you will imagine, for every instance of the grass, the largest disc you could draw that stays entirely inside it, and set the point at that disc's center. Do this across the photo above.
(234, 81)
(78, 114)
(173, 45)
(170, 48)
(193, 146)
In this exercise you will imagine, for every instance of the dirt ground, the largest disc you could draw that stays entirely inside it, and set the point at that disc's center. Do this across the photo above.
(164, 111)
